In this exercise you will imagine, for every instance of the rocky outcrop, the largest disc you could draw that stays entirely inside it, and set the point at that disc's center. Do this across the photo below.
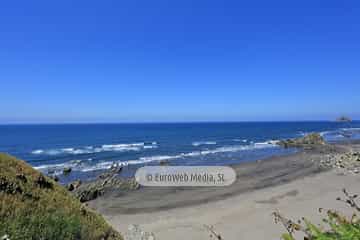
(94, 189)
(164, 163)
(89, 193)
(114, 169)
(310, 140)
(43, 182)
(74, 185)
(344, 119)
(67, 171)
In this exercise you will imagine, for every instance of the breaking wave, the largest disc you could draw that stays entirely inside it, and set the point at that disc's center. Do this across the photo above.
(97, 149)
(86, 166)
(196, 144)
(341, 134)
(240, 140)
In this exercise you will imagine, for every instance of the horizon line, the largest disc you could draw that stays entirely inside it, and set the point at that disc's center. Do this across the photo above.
(167, 122)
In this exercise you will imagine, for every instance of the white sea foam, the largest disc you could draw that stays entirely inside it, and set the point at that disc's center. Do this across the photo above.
(50, 166)
(269, 142)
(324, 133)
(240, 140)
(302, 134)
(97, 149)
(196, 144)
(39, 151)
(86, 166)
(150, 146)
(340, 130)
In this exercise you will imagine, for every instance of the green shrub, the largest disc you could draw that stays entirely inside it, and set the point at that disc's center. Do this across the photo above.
(339, 227)
(48, 226)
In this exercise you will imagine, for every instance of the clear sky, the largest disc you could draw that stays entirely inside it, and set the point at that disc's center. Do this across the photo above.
(203, 60)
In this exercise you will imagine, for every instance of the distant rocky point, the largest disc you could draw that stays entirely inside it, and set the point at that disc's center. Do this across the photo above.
(343, 119)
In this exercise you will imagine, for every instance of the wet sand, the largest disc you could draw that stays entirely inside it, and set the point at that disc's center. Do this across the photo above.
(294, 183)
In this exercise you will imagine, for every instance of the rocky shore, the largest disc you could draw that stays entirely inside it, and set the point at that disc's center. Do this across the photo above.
(311, 177)
(92, 190)
(308, 141)
(118, 199)
(320, 155)
(345, 163)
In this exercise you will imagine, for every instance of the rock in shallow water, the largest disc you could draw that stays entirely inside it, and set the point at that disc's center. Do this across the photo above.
(67, 171)
(308, 141)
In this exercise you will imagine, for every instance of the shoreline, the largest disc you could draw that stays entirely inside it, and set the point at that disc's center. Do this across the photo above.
(252, 175)
(294, 184)
(248, 215)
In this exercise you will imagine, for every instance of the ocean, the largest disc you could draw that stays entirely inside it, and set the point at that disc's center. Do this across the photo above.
(90, 148)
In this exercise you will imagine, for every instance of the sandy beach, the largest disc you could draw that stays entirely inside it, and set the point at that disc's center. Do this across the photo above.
(294, 184)
(169, 120)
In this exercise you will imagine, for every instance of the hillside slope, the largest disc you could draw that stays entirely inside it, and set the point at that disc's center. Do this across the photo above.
(33, 206)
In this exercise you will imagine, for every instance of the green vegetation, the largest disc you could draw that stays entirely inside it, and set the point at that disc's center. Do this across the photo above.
(339, 227)
(33, 206)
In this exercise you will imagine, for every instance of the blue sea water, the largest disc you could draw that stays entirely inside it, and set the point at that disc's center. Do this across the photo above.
(90, 148)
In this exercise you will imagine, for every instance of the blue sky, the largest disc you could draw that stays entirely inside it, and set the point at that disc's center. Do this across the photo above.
(135, 61)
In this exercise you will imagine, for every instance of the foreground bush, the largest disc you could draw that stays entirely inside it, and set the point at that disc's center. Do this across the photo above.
(339, 227)
(33, 206)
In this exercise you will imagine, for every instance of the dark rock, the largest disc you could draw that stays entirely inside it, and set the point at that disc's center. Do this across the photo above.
(164, 163)
(70, 187)
(54, 177)
(21, 177)
(344, 119)
(66, 171)
(89, 194)
(74, 185)
(42, 182)
(9, 187)
(77, 184)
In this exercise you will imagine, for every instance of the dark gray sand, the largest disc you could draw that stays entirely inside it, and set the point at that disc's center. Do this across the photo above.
(250, 176)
